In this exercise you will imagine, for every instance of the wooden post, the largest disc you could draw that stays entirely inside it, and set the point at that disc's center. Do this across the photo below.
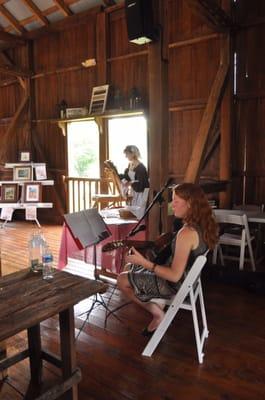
(158, 115)
(3, 354)
(226, 122)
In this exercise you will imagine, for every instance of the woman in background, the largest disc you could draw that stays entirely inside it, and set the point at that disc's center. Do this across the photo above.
(135, 175)
(145, 280)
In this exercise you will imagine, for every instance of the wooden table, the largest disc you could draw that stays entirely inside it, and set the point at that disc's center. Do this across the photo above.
(25, 301)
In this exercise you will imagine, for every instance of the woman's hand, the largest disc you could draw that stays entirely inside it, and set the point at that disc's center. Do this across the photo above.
(134, 257)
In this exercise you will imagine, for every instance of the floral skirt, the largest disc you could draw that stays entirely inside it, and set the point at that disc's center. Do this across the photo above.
(148, 286)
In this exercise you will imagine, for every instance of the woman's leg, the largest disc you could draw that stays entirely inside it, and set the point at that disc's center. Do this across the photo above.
(154, 309)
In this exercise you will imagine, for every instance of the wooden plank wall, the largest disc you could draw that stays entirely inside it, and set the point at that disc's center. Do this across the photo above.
(194, 56)
(249, 139)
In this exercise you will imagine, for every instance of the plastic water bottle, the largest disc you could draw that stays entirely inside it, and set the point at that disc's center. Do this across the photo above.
(47, 264)
(36, 245)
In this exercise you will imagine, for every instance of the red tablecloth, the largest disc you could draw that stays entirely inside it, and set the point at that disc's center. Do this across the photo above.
(112, 261)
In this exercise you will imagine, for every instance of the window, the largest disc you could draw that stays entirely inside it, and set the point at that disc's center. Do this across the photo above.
(127, 131)
(83, 149)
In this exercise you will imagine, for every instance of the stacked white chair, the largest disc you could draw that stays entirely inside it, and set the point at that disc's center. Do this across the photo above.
(242, 240)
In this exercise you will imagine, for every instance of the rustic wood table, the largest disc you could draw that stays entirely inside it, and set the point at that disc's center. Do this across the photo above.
(25, 301)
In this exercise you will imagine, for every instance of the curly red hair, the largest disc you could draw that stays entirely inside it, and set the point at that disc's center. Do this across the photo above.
(200, 212)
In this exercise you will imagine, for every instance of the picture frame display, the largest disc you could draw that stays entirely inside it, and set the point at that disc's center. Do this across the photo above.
(24, 156)
(40, 172)
(22, 173)
(32, 192)
(9, 193)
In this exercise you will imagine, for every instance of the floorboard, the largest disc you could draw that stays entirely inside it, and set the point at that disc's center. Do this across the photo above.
(110, 358)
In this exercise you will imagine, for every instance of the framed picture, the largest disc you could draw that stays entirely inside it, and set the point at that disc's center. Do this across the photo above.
(9, 193)
(24, 156)
(40, 172)
(32, 192)
(22, 173)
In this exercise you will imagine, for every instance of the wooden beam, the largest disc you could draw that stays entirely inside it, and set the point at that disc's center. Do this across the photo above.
(212, 14)
(84, 17)
(16, 118)
(194, 166)
(158, 117)
(194, 40)
(10, 70)
(36, 11)
(10, 38)
(102, 48)
(63, 7)
(13, 21)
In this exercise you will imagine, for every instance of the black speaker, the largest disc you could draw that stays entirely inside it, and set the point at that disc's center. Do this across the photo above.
(140, 21)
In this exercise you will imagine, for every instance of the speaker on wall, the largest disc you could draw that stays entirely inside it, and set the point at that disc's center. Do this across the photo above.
(140, 21)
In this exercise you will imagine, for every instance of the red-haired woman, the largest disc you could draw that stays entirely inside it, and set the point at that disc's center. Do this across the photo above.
(145, 280)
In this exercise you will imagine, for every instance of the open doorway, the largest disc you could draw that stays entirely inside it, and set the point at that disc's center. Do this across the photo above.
(127, 131)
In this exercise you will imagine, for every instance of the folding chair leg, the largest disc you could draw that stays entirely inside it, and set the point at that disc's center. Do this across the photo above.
(160, 331)
(203, 313)
(199, 339)
(242, 250)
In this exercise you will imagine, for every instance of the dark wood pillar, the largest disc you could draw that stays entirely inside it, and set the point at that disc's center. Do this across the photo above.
(158, 115)
(226, 121)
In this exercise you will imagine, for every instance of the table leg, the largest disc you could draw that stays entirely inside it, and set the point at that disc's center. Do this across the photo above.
(35, 359)
(3, 354)
(68, 353)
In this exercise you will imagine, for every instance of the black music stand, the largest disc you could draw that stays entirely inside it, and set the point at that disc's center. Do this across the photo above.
(88, 229)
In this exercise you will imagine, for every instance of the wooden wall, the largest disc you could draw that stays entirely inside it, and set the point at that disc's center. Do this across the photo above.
(249, 137)
(194, 57)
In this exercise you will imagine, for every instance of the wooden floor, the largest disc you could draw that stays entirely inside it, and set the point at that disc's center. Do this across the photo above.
(110, 358)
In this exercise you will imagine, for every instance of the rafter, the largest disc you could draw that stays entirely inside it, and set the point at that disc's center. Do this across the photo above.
(35, 10)
(13, 21)
(8, 37)
(212, 14)
(63, 7)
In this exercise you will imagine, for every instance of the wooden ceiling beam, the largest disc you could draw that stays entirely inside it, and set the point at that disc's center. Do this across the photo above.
(63, 7)
(212, 14)
(8, 37)
(13, 21)
(75, 20)
(36, 11)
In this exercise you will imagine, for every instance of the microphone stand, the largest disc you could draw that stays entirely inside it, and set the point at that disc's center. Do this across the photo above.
(158, 198)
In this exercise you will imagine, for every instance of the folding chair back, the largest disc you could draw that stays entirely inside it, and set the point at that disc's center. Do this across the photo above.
(241, 240)
(185, 298)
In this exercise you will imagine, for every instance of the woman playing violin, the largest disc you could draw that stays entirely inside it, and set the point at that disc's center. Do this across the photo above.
(145, 280)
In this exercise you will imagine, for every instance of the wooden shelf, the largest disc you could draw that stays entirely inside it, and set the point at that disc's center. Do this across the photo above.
(107, 114)
(25, 205)
(23, 164)
(21, 183)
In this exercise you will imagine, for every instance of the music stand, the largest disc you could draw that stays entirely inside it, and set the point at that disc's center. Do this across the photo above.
(88, 229)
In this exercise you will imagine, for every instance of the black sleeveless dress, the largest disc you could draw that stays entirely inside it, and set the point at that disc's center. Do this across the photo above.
(148, 286)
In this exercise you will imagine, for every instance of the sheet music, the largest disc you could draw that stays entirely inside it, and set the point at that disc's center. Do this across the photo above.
(87, 227)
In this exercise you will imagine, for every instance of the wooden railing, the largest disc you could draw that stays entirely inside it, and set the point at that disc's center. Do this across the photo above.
(80, 191)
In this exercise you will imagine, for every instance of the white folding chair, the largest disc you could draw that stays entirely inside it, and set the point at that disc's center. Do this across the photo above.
(186, 298)
(242, 240)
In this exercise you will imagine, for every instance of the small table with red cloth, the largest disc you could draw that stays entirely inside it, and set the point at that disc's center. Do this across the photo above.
(108, 261)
